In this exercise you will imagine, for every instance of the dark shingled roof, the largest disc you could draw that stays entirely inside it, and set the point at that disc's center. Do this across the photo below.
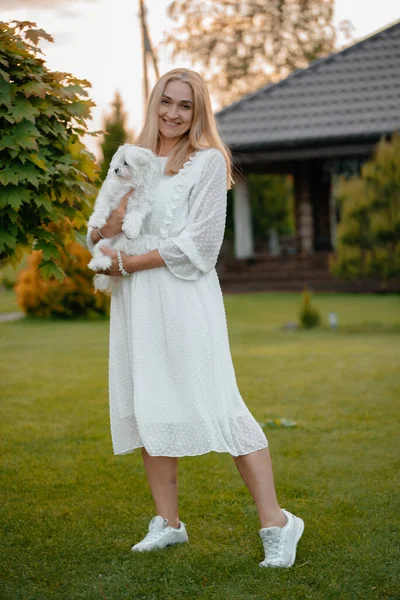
(351, 95)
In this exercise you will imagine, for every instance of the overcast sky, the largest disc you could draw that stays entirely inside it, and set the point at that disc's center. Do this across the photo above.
(99, 40)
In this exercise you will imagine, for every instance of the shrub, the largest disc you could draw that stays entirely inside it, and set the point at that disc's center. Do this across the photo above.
(369, 232)
(309, 316)
(72, 297)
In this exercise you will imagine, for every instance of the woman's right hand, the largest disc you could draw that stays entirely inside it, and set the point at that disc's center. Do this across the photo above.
(114, 222)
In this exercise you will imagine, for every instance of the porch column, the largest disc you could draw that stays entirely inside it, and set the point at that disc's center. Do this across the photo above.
(322, 210)
(244, 244)
(333, 216)
(304, 210)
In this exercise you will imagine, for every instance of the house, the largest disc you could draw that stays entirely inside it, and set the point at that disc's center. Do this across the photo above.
(318, 122)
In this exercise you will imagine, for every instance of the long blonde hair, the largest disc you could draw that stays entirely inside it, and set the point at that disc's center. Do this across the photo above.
(203, 132)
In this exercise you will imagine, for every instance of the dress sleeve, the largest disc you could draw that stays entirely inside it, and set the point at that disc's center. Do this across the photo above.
(195, 249)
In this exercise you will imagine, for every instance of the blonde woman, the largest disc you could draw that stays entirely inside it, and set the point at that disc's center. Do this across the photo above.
(173, 390)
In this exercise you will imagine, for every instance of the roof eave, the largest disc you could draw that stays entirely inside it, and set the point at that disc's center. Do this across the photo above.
(308, 142)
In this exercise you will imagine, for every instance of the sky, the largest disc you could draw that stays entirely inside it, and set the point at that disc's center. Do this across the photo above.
(100, 40)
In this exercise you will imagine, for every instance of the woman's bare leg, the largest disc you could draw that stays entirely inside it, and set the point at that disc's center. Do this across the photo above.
(162, 475)
(256, 471)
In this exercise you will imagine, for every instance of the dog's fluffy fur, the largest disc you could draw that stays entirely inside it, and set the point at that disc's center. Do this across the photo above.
(134, 168)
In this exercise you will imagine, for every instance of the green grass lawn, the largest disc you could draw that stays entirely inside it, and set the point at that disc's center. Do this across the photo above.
(70, 510)
(8, 303)
(8, 278)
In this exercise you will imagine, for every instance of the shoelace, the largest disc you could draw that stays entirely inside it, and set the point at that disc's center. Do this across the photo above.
(153, 536)
(272, 547)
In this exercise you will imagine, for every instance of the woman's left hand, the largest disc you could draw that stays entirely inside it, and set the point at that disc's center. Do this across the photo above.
(114, 269)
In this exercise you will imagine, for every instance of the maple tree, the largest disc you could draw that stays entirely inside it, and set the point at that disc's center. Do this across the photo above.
(47, 176)
(241, 45)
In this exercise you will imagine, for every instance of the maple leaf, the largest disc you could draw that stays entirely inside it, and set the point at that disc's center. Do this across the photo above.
(23, 109)
(34, 35)
(50, 270)
(34, 88)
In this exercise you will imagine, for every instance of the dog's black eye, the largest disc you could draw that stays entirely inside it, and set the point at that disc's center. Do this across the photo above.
(125, 163)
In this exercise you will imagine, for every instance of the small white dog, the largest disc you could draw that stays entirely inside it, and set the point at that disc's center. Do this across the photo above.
(131, 168)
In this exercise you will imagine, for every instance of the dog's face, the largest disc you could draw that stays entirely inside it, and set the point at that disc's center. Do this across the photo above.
(130, 160)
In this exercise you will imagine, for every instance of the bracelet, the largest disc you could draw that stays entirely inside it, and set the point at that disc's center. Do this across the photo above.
(100, 234)
(120, 265)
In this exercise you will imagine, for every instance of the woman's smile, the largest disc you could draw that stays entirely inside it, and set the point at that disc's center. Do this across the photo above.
(171, 124)
(175, 112)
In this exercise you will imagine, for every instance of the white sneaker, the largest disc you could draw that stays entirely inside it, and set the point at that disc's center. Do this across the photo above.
(161, 535)
(280, 542)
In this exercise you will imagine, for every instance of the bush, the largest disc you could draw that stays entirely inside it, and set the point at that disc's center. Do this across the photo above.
(369, 231)
(309, 316)
(72, 297)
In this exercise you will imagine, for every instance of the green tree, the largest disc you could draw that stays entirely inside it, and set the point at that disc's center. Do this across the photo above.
(241, 45)
(272, 206)
(115, 134)
(369, 232)
(271, 199)
(47, 176)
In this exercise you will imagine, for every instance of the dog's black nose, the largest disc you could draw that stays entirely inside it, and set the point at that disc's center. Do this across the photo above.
(116, 170)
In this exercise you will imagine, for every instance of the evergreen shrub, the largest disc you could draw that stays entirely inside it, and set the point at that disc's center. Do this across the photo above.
(309, 315)
(369, 232)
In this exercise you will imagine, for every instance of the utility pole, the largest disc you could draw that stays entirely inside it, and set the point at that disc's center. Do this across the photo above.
(148, 53)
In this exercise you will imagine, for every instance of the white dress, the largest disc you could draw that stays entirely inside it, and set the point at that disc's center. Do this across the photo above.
(172, 384)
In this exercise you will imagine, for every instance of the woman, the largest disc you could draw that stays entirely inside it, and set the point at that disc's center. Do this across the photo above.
(173, 389)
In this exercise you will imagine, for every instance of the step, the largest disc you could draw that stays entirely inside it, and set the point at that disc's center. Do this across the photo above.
(271, 265)
(277, 276)
(333, 285)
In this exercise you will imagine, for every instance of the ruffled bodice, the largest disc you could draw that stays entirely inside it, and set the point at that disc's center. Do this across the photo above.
(187, 220)
(156, 220)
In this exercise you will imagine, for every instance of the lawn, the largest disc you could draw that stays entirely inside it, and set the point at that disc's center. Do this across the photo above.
(70, 509)
(8, 302)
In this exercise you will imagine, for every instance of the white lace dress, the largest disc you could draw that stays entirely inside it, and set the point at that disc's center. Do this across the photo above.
(172, 385)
